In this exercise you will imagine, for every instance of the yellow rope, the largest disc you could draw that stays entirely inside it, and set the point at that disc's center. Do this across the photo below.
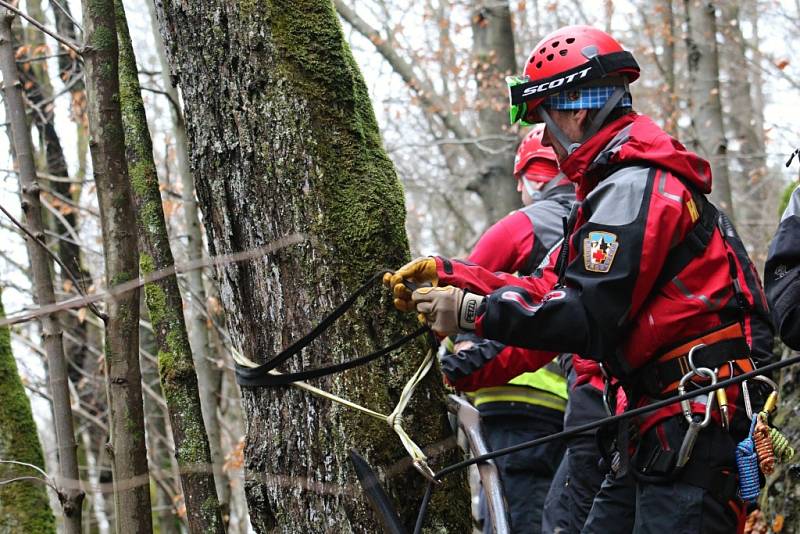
(394, 419)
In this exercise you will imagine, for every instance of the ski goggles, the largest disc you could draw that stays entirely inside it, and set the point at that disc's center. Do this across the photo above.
(517, 111)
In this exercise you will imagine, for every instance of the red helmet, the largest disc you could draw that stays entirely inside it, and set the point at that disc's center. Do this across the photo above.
(534, 161)
(569, 57)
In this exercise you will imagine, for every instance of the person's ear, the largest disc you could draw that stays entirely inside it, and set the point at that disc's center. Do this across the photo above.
(581, 118)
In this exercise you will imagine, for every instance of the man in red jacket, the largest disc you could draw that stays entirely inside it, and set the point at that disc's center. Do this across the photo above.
(531, 405)
(649, 273)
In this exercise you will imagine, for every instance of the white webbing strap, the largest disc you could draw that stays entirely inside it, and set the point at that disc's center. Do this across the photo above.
(394, 419)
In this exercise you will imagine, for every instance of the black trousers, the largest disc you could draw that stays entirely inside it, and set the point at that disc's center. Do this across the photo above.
(526, 475)
(629, 504)
(579, 475)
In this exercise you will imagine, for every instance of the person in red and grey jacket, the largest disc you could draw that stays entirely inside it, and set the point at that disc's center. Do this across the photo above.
(782, 274)
(649, 271)
(530, 405)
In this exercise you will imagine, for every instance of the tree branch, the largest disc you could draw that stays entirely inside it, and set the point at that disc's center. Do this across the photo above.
(66, 269)
(426, 93)
(75, 47)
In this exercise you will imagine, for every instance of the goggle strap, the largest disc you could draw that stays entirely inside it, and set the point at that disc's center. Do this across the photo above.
(604, 112)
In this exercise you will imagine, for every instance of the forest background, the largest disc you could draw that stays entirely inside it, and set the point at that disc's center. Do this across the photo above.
(720, 76)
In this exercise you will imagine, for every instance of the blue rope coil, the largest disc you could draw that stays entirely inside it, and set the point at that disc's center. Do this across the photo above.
(747, 465)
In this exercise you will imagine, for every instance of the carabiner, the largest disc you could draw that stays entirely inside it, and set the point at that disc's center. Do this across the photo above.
(771, 402)
(685, 404)
(692, 366)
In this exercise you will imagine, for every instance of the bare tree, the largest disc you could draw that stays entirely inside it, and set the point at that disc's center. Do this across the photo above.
(708, 130)
(124, 382)
(176, 368)
(41, 264)
(24, 506)
(208, 377)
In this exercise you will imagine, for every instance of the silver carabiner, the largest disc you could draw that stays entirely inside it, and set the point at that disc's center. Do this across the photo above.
(685, 404)
(692, 366)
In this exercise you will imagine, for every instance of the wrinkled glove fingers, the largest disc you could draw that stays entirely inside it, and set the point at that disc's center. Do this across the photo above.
(404, 305)
(425, 307)
(401, 292)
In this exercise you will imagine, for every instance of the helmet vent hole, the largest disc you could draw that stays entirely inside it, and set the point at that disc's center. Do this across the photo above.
(543, 50)
(539, 65)
(550, 57)
(570, 40)
(563, 52)
(555, 44)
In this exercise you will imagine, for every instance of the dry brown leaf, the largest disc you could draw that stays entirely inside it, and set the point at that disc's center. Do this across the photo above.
(777, 523)
(782, 63)
(68, 285)
(81, 315)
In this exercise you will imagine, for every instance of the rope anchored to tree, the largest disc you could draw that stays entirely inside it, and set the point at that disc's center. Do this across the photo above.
(251, 374)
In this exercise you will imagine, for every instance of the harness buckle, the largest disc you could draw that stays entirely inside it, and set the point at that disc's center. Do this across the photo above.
(607, 391)
(425, 470)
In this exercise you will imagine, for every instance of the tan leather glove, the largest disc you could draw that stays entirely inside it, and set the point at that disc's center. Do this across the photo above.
(447, 309)
(416, 273)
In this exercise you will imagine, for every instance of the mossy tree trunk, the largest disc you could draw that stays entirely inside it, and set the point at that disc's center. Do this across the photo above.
(124, 380)
(176, 368)
(41, 267)
(209, 377)
(283, 140)
(24, 506)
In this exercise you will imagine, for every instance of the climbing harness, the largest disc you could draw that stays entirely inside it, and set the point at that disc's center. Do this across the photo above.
(251, 374)
(705, 390)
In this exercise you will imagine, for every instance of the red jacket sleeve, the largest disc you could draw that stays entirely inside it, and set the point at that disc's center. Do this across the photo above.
(488, 363)
(506, 246)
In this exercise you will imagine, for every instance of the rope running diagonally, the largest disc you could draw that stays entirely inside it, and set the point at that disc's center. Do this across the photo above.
(596, 424)
(251, 374)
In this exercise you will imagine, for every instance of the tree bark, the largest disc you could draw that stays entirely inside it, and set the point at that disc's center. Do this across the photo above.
(704, 91)
(209, 378)
(41, 264)
(753, 179)
(24, 506)
(283, 141)
(164, 303)
(124, 381)
(494, 57)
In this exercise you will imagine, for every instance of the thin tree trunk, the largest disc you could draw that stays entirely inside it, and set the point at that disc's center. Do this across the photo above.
(176, 368)
(756, 229)
(124, 381)
(703, 64)
(209, 378)
(494, 57)
(669, 38)
(24, 506)
(69, 480)
(492, 181)
(295, 149)
(160, 453)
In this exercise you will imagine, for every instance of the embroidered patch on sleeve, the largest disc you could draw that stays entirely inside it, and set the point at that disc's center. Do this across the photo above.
(599, 250)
